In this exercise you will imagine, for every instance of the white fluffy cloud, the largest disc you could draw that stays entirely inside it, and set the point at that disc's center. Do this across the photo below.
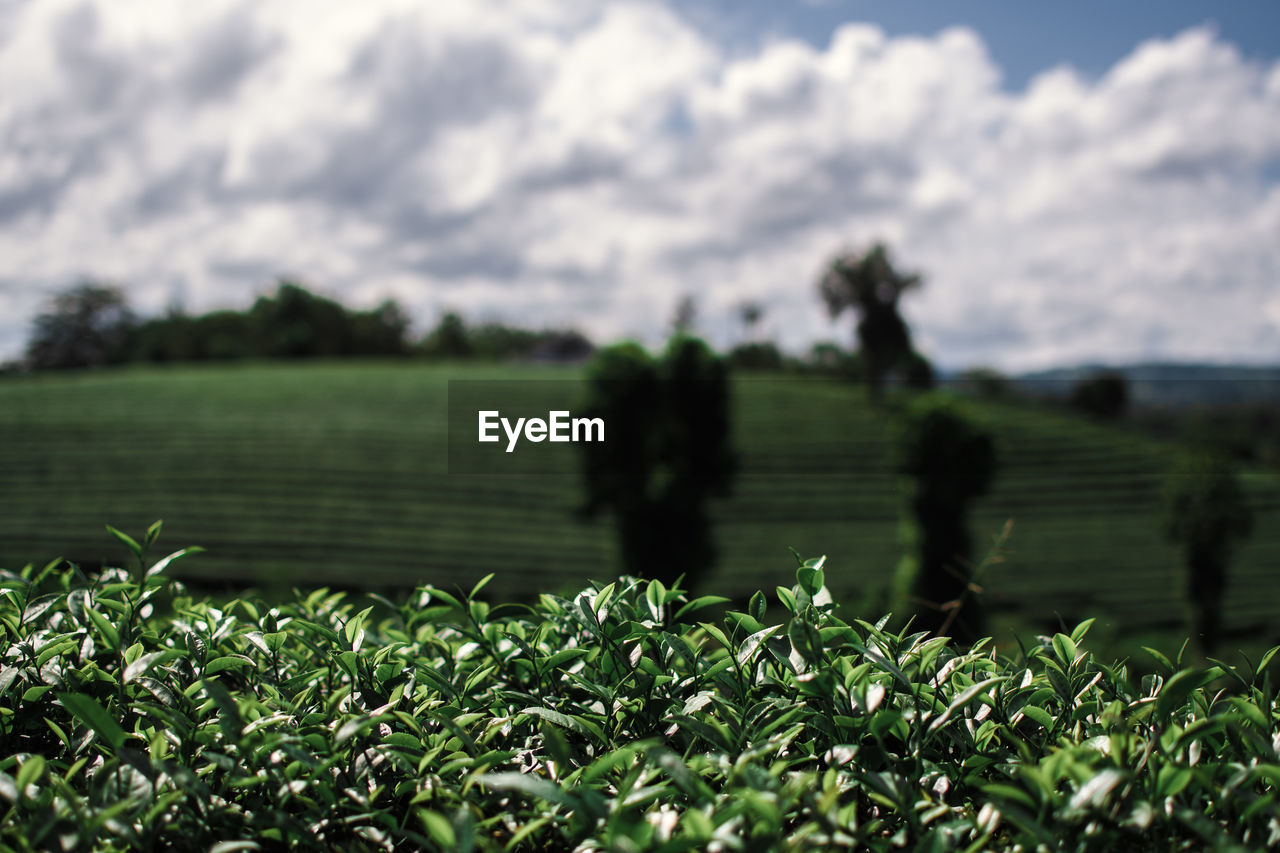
(572, 162)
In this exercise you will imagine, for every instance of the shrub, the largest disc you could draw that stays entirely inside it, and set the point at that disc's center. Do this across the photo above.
(949, 460)
(1205, 512)
(669, 452)
(137, 716)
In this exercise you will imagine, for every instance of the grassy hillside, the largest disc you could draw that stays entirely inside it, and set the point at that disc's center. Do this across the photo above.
(338, 473)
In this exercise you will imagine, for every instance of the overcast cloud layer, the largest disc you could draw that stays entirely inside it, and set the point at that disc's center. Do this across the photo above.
(559, 163)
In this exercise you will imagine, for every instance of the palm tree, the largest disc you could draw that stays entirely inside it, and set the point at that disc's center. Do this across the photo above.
(870, 286)
(752, 313)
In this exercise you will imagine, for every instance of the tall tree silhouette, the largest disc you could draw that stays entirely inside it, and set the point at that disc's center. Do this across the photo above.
(950, 461)
(869, 285)
(1204, 512)
(751, 313)
(666, 452)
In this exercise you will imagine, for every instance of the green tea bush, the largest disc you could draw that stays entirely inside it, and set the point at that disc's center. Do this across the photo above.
(136, 716)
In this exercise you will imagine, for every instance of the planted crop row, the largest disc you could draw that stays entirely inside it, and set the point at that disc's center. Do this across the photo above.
(137, 716)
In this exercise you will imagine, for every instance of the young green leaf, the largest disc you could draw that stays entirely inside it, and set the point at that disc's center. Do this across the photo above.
(129, 541)
(93, 715)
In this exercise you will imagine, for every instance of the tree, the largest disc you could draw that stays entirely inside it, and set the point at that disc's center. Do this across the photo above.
(1205, 512)
(757, 355)
(667, 453)
(296, 323)
(685, 316)
(827, 357)
(86, 326)
(1103, 395)
(950, 460)
(917, 372)
(869, 285)
(381, 331)
(449, 339)
(216, 335)
(751, 313)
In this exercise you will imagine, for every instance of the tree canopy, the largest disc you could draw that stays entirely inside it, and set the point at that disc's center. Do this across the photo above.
(869, 285)
(86, 326)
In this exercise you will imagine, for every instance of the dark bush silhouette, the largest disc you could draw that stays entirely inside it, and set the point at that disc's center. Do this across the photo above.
(1104, 395)
(869, 285)
(1205, 512)
(950, 460)
(667, 452)
(87, 326)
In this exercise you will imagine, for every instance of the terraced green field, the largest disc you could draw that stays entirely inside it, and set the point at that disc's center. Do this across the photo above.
(338, 473)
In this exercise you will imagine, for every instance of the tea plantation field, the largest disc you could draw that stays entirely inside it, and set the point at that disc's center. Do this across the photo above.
(338, 473)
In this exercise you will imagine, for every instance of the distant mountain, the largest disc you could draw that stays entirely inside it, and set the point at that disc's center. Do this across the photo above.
(1167, 385)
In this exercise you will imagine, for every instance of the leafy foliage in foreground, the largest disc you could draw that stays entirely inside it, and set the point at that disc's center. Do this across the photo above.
(609, 721)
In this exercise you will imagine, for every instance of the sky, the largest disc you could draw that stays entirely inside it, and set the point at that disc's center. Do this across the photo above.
(1092, 183)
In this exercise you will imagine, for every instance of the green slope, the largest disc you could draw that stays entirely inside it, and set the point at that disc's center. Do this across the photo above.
(337, 473)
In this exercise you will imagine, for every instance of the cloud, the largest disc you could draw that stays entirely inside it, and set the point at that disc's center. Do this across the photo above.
(587, 163)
